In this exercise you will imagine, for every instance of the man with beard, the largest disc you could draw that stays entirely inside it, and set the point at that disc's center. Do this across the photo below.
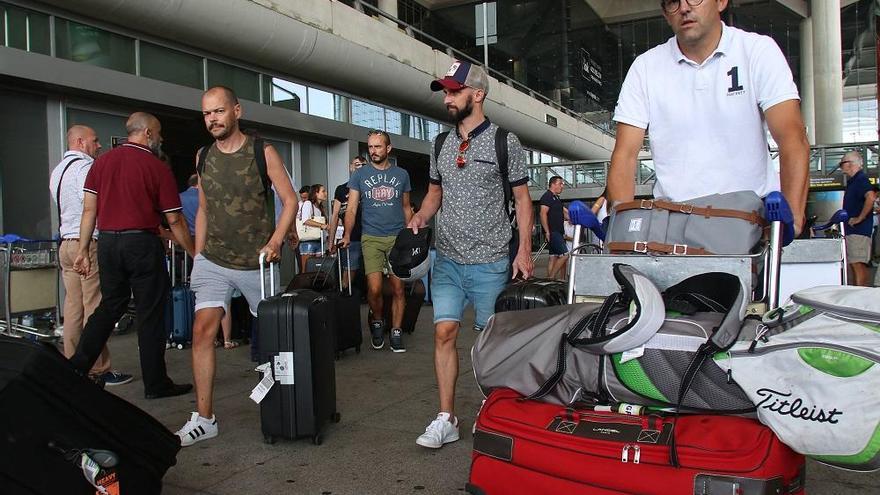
(706, 95)
(234, 224)
(473, 230)
(125, 191)
(385, 210)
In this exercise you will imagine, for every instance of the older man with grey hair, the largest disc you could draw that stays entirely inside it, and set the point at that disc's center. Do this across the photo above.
(858, 201)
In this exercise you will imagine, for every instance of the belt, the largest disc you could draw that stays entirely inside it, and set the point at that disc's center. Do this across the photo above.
(70, 239)
(124, 232)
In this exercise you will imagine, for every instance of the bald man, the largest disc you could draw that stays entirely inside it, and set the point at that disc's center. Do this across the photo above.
(125, 192)
(858, 201)
(83, 293)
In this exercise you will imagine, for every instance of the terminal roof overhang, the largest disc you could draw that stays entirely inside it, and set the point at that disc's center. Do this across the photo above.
(331, 44)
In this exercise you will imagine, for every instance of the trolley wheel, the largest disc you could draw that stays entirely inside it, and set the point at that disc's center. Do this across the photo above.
(180, 347)
(357, 350)
(269, 439)
(318, 439)
(336, 417)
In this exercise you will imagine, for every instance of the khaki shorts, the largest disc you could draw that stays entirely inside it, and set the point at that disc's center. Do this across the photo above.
(375, 252)
(858, 248)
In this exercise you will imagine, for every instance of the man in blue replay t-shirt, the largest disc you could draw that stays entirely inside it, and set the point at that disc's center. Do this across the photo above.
(383, 190)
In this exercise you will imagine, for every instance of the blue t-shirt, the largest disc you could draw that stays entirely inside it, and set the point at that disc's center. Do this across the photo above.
(189, 199)
(853, 202)
(381, 198)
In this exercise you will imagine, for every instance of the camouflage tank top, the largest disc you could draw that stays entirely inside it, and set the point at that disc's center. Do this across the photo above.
(238, 220)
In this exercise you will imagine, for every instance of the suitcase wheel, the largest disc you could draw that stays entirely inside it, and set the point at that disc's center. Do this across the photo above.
(318, 439)
(269, 439)
(180, 347)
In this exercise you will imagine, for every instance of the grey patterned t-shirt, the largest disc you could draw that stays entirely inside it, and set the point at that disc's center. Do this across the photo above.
(472, 224)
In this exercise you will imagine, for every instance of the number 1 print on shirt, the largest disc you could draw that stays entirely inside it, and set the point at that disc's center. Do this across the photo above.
(735, 87)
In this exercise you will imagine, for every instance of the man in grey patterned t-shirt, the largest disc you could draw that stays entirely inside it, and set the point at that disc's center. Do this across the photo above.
(473, 229)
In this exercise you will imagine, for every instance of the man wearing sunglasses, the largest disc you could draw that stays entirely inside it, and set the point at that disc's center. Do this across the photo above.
(858, 201)
(473, 229)
(704, 96)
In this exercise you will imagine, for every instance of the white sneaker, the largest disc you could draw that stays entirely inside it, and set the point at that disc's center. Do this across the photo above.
(439, 432)
(197, 429)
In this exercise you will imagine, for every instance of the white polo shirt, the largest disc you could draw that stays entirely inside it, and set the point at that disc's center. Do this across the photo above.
(705, 121)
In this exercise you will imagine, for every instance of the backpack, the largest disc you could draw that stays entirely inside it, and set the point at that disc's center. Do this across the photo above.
(260, 157)
(501, 154)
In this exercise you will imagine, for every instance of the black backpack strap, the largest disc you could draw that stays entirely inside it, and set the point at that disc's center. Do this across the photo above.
(58, 190)
(203, 155)
(438, 145)
(501, 154)
(260, 156)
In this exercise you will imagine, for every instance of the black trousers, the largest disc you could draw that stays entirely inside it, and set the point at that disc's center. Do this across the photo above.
(130, 263)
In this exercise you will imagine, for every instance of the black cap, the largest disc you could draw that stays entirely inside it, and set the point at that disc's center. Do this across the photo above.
(409, 255)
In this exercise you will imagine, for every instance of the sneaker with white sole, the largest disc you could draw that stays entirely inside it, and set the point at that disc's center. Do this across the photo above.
(113, 378)
(197, 429)
(395, 342)
(441, 431)
(377, 334)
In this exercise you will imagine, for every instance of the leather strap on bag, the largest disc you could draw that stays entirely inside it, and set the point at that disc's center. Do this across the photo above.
(656, 247)
(689, 209)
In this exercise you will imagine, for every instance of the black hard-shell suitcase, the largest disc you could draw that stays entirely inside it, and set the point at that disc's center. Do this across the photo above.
(347, 312)
(531, 293)
(414, 293)
(296, 336)
(48, 413)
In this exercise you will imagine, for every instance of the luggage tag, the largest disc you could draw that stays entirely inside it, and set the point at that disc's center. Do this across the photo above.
(259, 392)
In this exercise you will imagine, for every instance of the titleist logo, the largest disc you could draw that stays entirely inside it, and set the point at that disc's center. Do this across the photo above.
(782, 404)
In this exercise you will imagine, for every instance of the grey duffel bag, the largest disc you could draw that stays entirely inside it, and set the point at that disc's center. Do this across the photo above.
(563, 354)
(730, 223)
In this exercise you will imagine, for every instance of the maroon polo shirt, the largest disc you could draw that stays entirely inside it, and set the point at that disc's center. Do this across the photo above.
(134, 189)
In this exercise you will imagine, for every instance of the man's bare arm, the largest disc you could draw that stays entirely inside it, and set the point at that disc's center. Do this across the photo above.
(787, 128)
(621, 184)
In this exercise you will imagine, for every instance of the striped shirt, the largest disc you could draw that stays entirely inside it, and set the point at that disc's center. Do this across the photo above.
(71, 191)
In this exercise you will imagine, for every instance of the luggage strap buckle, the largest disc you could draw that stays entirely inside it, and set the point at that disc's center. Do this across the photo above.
(646, 204)
(640, 247)
(679, 249)
(686, 208)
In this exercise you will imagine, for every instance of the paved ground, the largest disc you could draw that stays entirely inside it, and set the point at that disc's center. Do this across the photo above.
(385, 399)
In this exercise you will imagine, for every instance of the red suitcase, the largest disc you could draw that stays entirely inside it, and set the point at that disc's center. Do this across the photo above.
(529, 447)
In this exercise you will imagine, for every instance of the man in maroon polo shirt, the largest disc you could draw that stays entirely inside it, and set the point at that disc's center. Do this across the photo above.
(127, 190)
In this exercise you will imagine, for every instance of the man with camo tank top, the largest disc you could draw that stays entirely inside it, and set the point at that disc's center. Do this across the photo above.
(234, 224)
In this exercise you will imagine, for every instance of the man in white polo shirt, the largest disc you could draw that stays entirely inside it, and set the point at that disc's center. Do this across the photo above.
(704, 97)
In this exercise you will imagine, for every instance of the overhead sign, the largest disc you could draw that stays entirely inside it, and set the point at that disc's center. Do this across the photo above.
(591, 72)
(829, 182)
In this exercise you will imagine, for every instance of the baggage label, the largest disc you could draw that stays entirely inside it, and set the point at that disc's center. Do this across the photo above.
(259, 392)
(283, 369)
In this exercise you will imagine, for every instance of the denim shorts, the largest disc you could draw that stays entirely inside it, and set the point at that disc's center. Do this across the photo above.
(454, 285)
(310, 247)
(557, 244)
(353, 250)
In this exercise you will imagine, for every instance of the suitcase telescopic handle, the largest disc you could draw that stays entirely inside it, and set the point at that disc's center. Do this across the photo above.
(263, 277)
(348, 266)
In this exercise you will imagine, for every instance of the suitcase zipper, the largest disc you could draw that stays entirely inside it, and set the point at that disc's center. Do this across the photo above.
(782, 347)
(637, 453)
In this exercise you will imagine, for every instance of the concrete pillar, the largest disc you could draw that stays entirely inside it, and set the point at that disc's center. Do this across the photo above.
(808, 89)
(390, 8)
(828, 70)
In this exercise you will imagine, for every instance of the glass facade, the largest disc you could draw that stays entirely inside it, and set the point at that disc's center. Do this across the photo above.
(90, 45)
(172, 66)
(245, 83)
(24, 29)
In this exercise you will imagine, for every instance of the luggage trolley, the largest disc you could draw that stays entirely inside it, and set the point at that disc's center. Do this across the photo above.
(668, 270)
(818, 261)
(30, 285)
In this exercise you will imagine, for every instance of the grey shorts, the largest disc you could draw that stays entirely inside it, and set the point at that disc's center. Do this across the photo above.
(858, 248)
(213, 285)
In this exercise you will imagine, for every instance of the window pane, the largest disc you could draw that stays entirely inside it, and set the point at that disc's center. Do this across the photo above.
(320, 103)
(39, 33)
(393, 122)
(245, 83)
(17, 34)
(172, 66)
(367, 115)
(93, 46)
(285, 94)
(340, 105)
